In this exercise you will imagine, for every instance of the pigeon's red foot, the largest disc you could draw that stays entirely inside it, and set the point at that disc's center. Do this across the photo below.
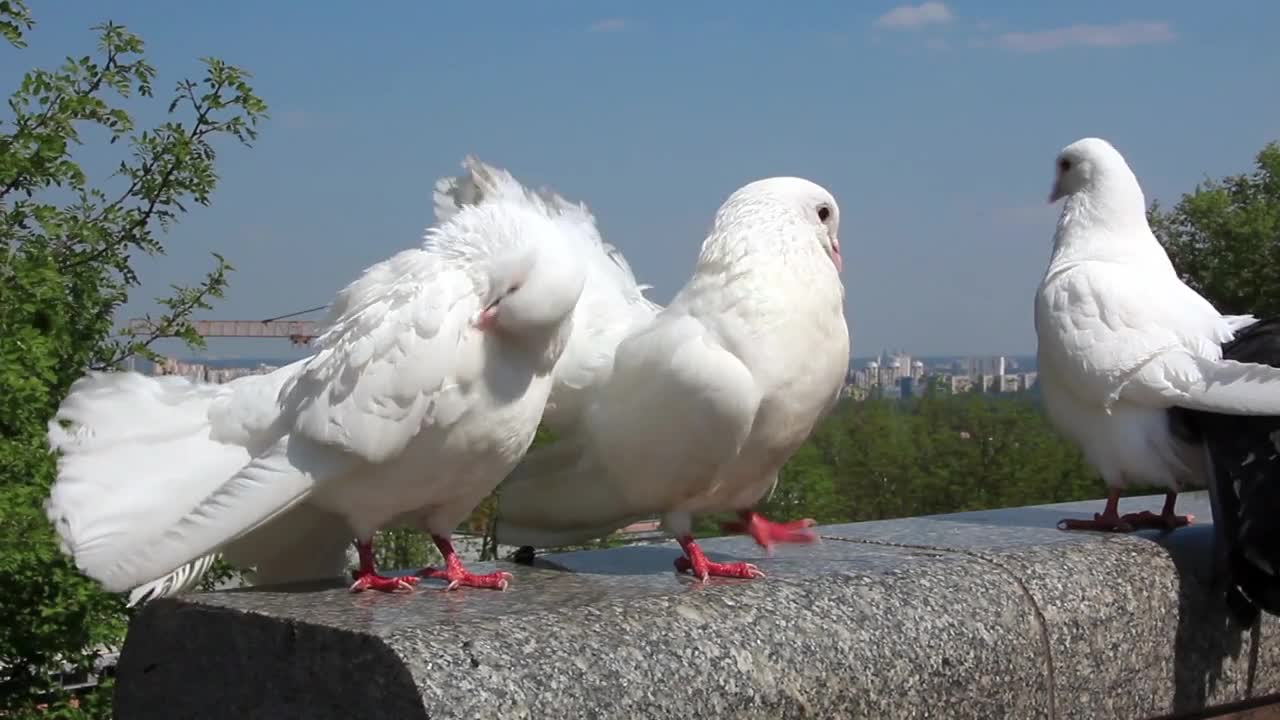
(457, 577)
(1108, 520)
(372, 581)
(1148, 520)
(367, 577)
(1100, 522)
(766, 533)
(697, 563)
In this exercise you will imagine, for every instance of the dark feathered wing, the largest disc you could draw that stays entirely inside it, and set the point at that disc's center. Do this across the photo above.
(1245, 486)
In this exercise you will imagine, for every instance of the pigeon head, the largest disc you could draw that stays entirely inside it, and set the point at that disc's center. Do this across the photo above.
(796, 200)
(533, 287)
(1093, 166)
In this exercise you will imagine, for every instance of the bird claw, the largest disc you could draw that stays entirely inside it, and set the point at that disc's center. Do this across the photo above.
(380, 583)
(767, 533)
(1149, 520)
(706, 569)
(458, 577)
(1100, 523)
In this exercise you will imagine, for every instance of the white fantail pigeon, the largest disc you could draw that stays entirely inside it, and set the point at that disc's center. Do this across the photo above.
(424, 391)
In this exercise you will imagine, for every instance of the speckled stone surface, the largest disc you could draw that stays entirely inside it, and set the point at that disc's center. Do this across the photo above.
(976, 615)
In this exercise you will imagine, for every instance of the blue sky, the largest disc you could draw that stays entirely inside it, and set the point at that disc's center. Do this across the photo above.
(935, 126)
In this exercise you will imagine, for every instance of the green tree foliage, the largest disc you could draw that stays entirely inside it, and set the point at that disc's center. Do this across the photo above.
(1224, 238)
(66, 252)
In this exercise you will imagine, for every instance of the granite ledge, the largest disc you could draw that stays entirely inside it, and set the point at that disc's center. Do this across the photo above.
(972, 615)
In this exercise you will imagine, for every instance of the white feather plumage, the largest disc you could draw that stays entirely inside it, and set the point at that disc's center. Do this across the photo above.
(705, 403)
(405, 410)
(1122, 338)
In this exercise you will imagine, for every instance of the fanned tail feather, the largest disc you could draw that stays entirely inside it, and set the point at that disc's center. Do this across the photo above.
(135, 454)
(141, 456)
(184, 579)
(303, 544)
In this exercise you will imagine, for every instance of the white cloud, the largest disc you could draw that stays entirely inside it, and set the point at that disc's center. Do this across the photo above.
(911, 17)
(609, 25)
(1107, 36)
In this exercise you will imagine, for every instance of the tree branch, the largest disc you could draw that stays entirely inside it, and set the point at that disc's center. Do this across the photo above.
(111, 64)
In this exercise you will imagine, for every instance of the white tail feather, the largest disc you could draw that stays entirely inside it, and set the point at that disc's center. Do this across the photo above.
(1239, 322)
(303, 544)
(1236, 388)
(265, 488)
(136, 457)
(150, 468)
(182, 580)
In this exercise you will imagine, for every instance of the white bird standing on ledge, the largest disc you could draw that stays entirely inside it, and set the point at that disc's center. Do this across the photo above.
(426, 389)
(1122, 340)
(706, 403)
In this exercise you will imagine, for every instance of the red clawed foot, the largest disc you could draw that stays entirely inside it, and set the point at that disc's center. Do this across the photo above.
(702, 568)
(1166, 520)
(1100, 522)
(458, 576)
(1148, 520)
(1108, 520)
(766, 533)
(381, 583)
(367, 578)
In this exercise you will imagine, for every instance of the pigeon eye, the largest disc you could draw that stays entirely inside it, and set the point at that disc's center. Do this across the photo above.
(824, 212)
(1064, 165)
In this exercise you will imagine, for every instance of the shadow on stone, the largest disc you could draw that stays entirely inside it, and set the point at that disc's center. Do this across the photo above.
(1207, 636)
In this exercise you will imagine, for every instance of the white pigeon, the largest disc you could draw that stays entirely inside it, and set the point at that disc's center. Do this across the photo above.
(705, 403)
(1122, 340)
(426, 388)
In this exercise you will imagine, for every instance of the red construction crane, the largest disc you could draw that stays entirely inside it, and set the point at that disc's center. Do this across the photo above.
(299, 332)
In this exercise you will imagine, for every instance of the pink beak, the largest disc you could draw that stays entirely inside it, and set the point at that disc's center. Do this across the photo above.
(835, 254)
(487, 318)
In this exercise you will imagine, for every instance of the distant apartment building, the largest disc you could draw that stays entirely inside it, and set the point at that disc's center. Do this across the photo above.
(898, 374)
(199, 372)
(990, 366)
